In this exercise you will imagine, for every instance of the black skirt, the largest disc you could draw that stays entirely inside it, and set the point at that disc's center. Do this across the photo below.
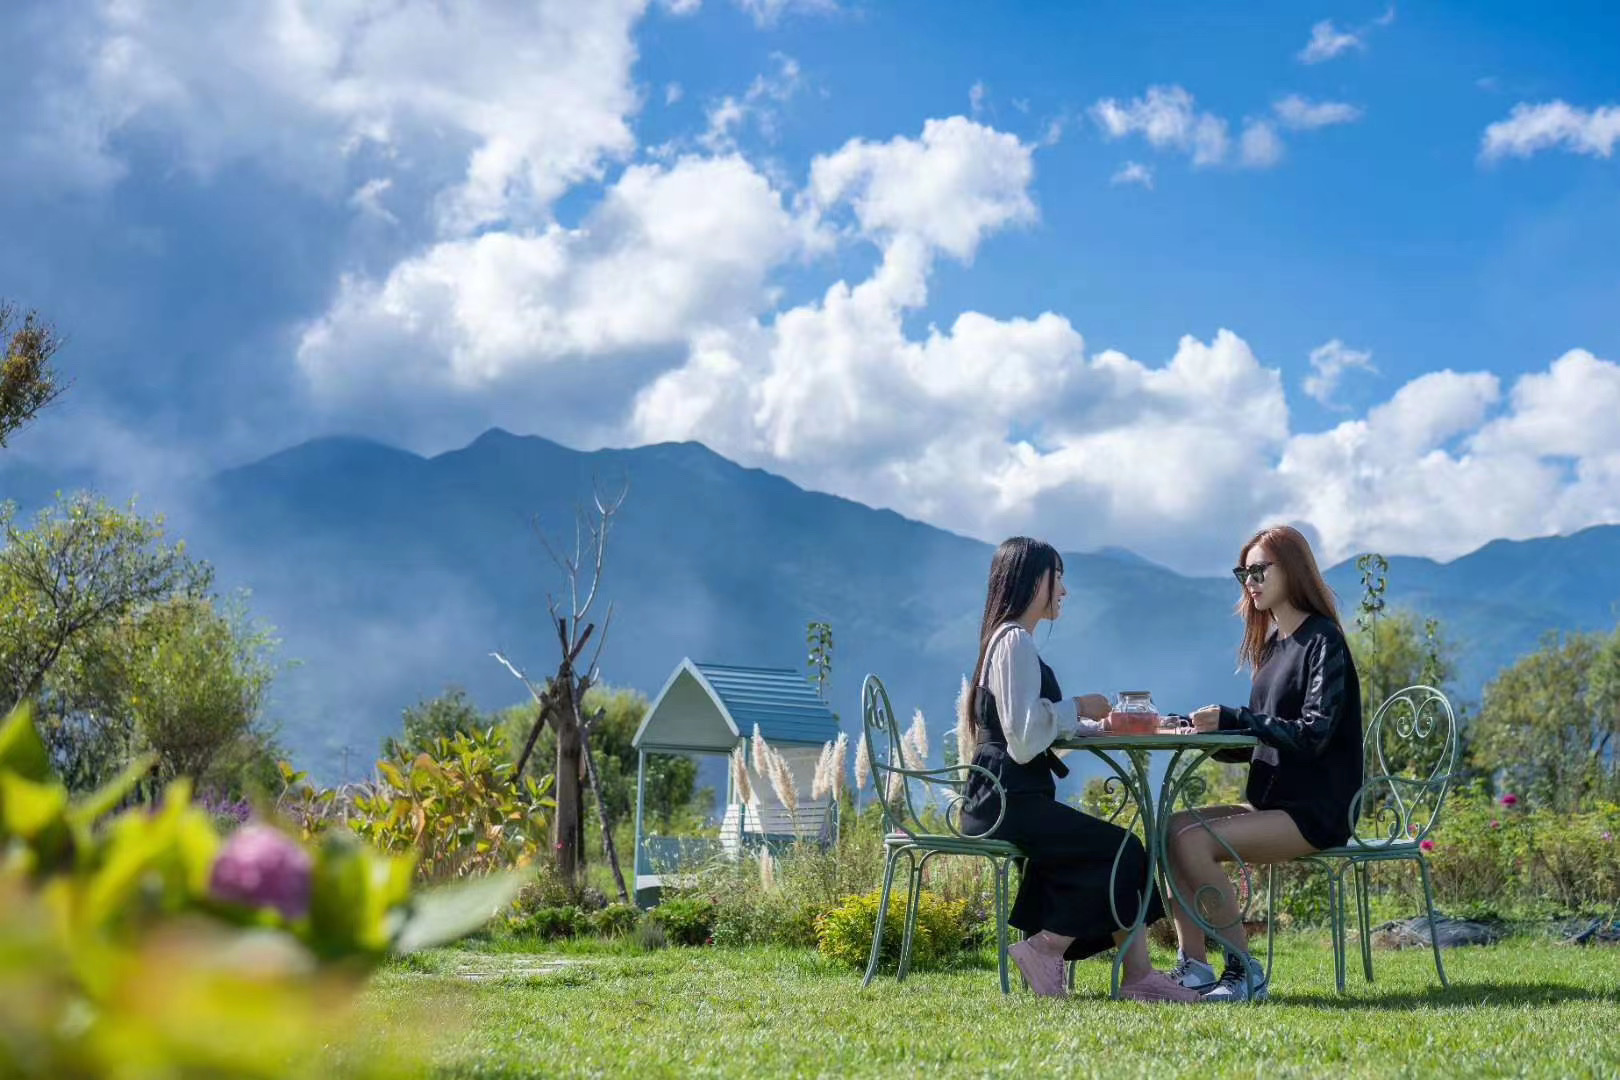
(1065, 885)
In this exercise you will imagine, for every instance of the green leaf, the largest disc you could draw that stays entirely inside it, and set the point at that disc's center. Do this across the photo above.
(392, 775)
(449, 912)
(93, 807)
(337, 895)
(354, 894)
(21, 749)
(29, 808)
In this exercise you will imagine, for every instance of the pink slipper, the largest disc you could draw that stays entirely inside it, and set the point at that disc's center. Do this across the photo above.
(1043, 971)
(1158, 988)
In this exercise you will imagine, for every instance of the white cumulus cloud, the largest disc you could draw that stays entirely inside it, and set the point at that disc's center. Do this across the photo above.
(1328, 41)
(1554, 125)
(1133, 172)
(1299, 114)
(947, 189)
(767, 13)
(537, 94)
(1329, 362)
(1169, 119)
(668, 249)
(758, 103)
(1260, 147)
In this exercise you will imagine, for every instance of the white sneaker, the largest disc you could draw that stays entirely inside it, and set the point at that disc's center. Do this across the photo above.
(1193, 974)
(1237, 984)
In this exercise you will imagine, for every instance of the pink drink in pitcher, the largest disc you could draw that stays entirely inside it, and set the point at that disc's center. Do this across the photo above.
(1134, 714)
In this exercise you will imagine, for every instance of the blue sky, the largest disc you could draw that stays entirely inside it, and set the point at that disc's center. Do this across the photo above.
(1059, 268)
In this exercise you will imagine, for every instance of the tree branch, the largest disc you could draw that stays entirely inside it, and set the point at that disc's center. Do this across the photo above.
(600, 540)
(534, 692)
(539, 718)
(607, 623)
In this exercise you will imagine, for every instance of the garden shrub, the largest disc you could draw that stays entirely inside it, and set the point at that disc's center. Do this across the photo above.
(550, 923)
(686, 920)
(615, 920)
(759, 917)
(1500, 856)
(649, 935)
(454, 807)
(845, 933)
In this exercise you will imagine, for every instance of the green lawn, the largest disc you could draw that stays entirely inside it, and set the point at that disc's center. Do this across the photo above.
(1519, 1009)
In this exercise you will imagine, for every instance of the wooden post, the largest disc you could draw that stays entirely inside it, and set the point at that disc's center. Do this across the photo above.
(601, 807)
(641, 798)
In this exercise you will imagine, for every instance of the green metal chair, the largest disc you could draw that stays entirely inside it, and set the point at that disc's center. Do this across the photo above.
(905, 834)
(1411, 759)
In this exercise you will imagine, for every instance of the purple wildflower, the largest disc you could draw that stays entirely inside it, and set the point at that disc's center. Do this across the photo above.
(1608, 836)
(1510, 799)
(263, 867)
(1496, 824)
(1427, 845)
(217, 805)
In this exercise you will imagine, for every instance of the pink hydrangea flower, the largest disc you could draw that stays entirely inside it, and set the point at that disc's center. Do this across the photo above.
(263, 867)
(1427, 845)
(1510, 799)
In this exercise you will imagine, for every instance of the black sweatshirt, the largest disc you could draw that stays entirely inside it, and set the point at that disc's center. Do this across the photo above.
(1305, 708)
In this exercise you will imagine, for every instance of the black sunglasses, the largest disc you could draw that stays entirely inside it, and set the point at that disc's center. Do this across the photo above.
(1255, 573)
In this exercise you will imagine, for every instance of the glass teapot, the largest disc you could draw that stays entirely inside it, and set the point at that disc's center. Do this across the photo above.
(1134, 714)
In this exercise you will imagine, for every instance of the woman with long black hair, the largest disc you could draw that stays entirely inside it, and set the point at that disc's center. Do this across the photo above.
(1016, 710)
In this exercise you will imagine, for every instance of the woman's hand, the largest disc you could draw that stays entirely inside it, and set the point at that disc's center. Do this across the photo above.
(1207, 719)
(1091, 707)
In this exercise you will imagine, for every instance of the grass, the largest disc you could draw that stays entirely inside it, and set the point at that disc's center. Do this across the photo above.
(1523, 1008)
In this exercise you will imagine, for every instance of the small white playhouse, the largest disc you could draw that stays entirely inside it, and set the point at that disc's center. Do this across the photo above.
(712, 709)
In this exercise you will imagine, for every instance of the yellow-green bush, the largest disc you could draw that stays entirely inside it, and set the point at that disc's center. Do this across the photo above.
(845, 932)
(686, 920)
(455, 807)
(615, 920)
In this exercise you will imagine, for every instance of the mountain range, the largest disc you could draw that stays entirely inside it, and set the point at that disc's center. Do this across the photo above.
(390, 576)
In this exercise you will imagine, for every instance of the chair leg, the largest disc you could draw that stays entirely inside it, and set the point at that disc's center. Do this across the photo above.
(883, 910)
(1336, 920)
(1364, 917)
(1271, 915)
(1003, 871)
(1434, 938)
(913, 902)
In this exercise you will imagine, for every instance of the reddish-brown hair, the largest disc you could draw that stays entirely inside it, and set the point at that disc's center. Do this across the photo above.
(1291, 553)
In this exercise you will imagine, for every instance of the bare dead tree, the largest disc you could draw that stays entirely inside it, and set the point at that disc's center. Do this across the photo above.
(559, 703)
(603, 820)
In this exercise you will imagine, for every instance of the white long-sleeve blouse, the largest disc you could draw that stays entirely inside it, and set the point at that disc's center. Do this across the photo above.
(1012, 673)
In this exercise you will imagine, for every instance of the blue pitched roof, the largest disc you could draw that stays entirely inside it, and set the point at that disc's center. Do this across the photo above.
(780, 700)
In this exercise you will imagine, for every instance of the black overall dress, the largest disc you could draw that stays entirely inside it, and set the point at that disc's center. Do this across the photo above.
(1071, 854)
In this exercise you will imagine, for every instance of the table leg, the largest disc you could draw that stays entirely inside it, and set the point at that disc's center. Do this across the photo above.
(1183, 783)
(1135, 779)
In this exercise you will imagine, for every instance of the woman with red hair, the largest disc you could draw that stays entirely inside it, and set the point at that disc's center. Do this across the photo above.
(1305, 711)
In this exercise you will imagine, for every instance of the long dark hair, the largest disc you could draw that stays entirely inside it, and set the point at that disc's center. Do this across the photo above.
(1015, 576)
(1307, 591)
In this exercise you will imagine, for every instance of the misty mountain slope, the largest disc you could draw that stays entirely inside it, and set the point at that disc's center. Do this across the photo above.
(390, 575)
